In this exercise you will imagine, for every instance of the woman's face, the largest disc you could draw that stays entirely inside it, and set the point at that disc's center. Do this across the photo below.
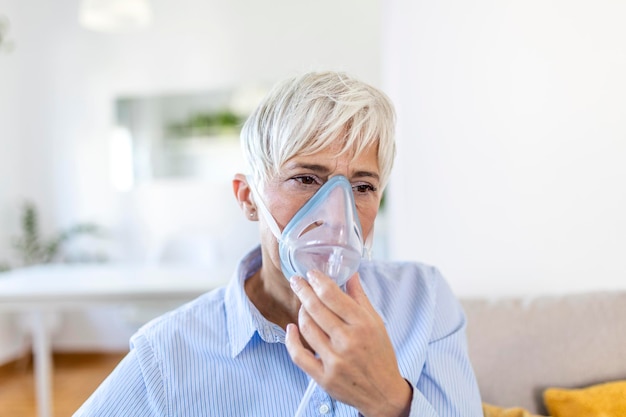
(302, 176)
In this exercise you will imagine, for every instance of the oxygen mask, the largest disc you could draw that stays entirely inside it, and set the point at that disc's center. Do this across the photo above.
(325, 234)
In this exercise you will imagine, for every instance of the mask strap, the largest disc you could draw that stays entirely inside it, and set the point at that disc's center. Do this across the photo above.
(368, 245)
(271, 222)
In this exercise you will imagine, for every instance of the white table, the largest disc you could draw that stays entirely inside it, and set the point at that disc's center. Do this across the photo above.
(41, 291)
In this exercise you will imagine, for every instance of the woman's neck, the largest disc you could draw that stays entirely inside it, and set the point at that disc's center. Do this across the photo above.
(272, 296)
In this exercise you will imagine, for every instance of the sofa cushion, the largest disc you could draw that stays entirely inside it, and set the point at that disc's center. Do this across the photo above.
(601, 400)
(490, 410)
(521, 346)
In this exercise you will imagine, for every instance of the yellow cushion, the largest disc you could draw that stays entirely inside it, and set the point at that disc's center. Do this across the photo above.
(602, 400)
(490, 410)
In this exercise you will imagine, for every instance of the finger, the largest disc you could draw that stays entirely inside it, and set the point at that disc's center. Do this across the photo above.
(300, 355)
(340, 303)
(313, 334)
(355, 290)
(313, 303)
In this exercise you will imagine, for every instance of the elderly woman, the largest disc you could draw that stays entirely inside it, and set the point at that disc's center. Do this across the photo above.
(306, 308)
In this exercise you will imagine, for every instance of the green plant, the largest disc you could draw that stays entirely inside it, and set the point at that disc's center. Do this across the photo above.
(209, 123)
(33, 249)
(5, 43)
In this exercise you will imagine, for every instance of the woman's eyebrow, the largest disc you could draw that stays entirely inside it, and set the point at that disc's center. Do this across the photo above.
(310, 166)
(366, 174)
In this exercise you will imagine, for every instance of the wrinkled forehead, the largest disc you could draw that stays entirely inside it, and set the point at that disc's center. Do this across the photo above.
(339, 144)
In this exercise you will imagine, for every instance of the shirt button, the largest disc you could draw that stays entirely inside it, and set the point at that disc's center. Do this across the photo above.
(324, 408)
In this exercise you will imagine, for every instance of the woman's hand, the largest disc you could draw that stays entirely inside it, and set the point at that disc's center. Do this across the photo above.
(354, 360)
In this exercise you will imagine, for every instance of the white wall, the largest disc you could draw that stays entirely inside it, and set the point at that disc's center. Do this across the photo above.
(10, 149)
(511, 174)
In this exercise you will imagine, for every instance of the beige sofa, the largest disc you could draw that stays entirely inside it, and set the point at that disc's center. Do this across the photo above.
(521, 346)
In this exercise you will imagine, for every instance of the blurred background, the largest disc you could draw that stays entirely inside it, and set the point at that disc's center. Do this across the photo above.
(510, 175)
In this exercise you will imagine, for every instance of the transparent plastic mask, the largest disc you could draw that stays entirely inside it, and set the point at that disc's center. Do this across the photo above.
(325, 234)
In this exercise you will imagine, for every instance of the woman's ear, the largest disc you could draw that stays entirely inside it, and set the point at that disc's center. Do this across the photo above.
(243, 194)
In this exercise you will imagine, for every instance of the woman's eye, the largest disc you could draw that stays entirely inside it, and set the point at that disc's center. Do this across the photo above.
(363, 188)
(307, 180)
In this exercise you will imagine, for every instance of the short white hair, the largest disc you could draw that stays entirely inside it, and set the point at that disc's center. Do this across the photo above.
(308, 113)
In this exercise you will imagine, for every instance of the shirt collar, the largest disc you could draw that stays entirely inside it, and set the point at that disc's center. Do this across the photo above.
(243, 319)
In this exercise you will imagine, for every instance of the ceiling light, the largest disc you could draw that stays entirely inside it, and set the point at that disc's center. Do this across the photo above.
(114, 15)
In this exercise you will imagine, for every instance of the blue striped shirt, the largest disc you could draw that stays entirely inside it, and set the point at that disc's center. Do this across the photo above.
(218, 356)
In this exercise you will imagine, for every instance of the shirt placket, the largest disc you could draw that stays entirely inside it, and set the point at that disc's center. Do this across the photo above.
(322, 404)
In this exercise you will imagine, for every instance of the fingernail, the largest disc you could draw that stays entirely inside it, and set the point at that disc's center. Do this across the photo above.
(312, 277)
(295, 283)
